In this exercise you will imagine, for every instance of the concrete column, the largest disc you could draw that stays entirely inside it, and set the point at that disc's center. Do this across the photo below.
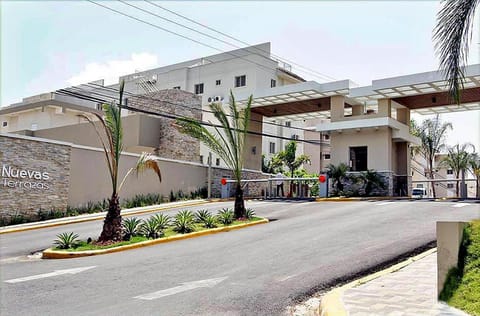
(385, 107)
(449, 238)
(337, 105)
(253, 143)
(403, 115)
(357, 110)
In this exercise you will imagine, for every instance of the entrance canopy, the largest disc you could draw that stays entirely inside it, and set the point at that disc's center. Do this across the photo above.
(423, 93)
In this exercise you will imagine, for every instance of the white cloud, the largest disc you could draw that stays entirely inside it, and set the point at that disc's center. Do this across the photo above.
(112, 69)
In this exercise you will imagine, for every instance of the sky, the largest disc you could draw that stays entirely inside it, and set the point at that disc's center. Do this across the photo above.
(47, 45)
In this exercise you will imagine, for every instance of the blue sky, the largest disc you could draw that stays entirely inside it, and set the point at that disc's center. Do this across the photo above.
(47, 45)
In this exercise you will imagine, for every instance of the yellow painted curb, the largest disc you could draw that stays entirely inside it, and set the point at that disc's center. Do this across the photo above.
(55, 254)
(332, 305)
(96, 218)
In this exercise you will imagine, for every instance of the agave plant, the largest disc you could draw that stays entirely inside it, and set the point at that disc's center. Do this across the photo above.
(225, 216)
(163, 220)
(201, 215)
(249, 214)
(66, 240)
(131, 227)
(150, 228)
(210, 221)
(184, 222)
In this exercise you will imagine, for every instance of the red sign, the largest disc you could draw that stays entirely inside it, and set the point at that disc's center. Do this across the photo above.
(322, 178)
(223, 181)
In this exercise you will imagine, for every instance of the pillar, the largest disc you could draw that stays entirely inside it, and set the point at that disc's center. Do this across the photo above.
(337, 105)
(385, 107)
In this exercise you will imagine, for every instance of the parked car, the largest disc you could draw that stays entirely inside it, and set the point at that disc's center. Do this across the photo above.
(419, 193)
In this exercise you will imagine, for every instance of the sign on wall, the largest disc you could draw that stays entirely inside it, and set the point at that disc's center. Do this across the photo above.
(29, 179)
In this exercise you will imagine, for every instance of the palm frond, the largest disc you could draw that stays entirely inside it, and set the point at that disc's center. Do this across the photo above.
(144, 162)
(452, 37)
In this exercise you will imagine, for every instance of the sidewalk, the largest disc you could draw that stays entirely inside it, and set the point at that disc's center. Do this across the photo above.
(412, 290)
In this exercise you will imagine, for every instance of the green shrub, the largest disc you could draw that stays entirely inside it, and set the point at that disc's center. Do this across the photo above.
(131, 227)
(210, 221)
(66, 240)
(225, 216)
(150, 228)
(201, 215)
(184, 222)
(163, 220)
(249, 213)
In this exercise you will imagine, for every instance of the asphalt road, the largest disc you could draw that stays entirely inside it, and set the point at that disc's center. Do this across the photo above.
(253, 271)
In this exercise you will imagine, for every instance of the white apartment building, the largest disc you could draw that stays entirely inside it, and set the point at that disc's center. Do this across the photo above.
(243, 72)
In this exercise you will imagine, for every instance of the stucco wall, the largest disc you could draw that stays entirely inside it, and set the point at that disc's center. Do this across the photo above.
(90, 181)
(379, 151)
(34, 175)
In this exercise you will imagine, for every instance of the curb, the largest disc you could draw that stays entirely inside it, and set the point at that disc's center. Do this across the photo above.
(98, 216)
(54, 254)
(331, 303)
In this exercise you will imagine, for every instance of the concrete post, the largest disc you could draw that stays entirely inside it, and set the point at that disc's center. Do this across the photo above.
(403, 116)
(337, 105)
(357, 110)
(385, 107)
(449, 238)
(209, 176)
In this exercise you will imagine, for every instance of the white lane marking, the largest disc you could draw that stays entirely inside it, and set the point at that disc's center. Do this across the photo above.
(187, 286)
(287, 278)
(50, 274)
(385, 203)
(460, 205)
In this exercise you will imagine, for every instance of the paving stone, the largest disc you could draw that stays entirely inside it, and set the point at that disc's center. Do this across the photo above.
(408, 291)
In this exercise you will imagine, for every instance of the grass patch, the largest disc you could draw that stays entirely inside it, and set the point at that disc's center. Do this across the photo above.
(462, 287)
(169, 232)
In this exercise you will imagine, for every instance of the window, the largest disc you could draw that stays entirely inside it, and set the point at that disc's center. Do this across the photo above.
(288, 124)
(177, 88)
(449, 171)
(240, 81)
(272, 148)
(99, 106)
(294, 137)
(420, 186)
(218, 82)
(358, 158)
(199, 88)
(217, 161)
(201, 159)
(326, 156)
(273, 83)
(4, 124)
(326, 137)
(449, 185)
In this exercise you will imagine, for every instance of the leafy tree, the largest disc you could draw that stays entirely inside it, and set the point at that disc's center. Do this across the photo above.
(432, 134)
(272, 166)
(458, 159)
(338, 174)
(289, 158)
(227, 141)
(452, 36)
(371, 180)
(110, 132)
(475, 169)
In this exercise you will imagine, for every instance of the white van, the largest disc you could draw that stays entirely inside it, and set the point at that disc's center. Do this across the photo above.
(419, 193)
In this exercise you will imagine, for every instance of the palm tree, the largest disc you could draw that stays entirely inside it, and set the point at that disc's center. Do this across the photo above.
(371, 180)
(458, 159)
(289, 158)
(475, 169)
(228, 140)
(432, 134)
(337, 174)
(452, 36)
(110, 133)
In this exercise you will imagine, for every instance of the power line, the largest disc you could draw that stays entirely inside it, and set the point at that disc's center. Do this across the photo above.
(184, 106)
(319, 74)
(168, 115)
(180, 35)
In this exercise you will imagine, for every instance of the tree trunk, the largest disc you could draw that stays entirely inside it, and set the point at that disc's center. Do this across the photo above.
(431, 178)
(239, 209)
(478, 188)
(112, 225)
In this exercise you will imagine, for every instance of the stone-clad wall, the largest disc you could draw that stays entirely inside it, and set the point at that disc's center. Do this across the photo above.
(253, 189)
(35, 175)
(177, 103)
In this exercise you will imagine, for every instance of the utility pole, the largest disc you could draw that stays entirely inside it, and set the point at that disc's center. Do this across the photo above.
(209, 177)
